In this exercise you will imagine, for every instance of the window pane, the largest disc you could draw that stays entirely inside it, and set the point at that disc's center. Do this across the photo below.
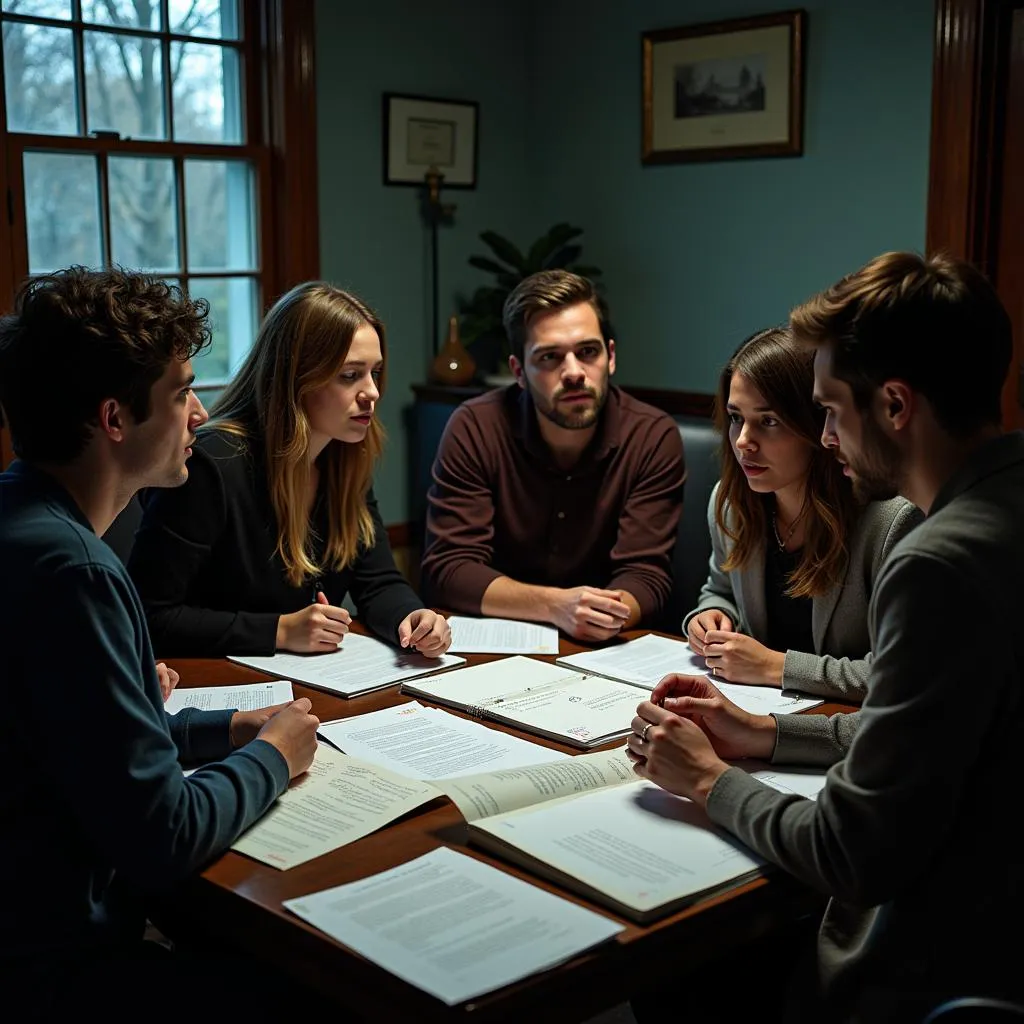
(62, 210)
(143, 213)
(123, 13)
(39, 71)
(219, 215)
(233, 321)
(207, 93)
(216, 18)
(124, 85)
(38, 8)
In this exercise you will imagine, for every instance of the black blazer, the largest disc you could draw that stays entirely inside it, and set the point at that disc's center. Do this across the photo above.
(206, 566)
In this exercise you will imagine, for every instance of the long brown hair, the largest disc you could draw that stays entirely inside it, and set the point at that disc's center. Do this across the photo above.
(783, 372)
(302, 344)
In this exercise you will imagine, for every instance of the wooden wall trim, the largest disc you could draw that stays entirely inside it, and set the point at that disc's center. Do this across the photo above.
(955, 123)
(291, 129)
(963, 174)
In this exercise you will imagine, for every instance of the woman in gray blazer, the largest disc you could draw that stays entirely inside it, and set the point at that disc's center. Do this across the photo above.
(794, 555)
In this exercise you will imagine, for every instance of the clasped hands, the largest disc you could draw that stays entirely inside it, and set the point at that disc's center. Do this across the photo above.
(731, 656)
(588, 613)
(683, 736)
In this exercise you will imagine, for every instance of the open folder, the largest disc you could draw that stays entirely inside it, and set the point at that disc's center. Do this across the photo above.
(590, 825)
(579, 710)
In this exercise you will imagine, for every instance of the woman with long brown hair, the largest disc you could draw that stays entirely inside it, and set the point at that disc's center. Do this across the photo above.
(277, 522)
(794, 556)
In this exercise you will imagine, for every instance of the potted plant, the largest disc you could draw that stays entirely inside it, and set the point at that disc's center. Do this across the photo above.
(480, 314)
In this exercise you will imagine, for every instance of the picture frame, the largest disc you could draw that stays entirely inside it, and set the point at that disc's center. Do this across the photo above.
(724, 90)
(421, 132)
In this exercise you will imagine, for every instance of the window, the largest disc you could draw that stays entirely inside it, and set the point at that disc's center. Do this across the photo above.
(139, 132)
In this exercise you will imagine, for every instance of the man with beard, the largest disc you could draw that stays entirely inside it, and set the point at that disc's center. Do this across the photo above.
(908, 837)
(556, 499)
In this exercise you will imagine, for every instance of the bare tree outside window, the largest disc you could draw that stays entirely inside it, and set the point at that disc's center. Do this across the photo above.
(121, 75)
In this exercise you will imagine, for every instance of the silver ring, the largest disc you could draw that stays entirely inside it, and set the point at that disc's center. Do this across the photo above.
(643, 732)
(714, 670)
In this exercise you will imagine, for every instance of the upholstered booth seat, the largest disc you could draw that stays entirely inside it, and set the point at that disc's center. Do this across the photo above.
(693, 542)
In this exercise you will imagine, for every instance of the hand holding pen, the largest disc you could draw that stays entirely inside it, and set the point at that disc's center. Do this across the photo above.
(317, 628)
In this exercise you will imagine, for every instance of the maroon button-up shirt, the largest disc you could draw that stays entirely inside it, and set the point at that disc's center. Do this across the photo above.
(499, 506)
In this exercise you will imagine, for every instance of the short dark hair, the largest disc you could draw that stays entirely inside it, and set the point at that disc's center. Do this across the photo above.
(935, 322)
(544, 292)
(80, 336)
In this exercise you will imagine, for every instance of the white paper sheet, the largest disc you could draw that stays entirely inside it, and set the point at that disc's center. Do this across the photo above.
(479, 796)
(361, 664)
(643, 662)
(639, 844)
(241, 697)
(501, 636)
(336, 802)
(427, 743)
(454, 926)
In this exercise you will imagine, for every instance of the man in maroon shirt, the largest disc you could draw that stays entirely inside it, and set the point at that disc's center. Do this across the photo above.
(556, 499)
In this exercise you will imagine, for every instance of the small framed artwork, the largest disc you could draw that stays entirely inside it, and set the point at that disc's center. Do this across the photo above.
(420, 133)
(724, 90)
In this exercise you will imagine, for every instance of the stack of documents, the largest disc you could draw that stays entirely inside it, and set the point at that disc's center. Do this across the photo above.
(645, 661)
(242, 697)
(600, 832)
(427, 743)
(454, 926)
(501, 636)
(360, 665)
(575, 709)
(584, 700)
(338, 801)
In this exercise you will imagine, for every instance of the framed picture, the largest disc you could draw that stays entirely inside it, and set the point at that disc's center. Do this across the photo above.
(724, 90)
(420, 133)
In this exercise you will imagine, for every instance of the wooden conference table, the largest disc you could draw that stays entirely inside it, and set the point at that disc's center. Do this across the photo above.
(238, 900)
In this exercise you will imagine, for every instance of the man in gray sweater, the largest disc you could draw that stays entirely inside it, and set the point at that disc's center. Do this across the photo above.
(909, 837)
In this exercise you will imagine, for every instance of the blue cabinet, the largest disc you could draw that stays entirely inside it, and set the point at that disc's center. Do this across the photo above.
(426, 420)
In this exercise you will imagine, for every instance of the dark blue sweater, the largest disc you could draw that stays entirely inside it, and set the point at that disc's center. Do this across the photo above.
(94, 806)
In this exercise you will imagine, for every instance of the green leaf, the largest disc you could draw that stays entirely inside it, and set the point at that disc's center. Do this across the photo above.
(486, 301)
(483, 263)
(504, 249)
(563, 257)
(548, 243)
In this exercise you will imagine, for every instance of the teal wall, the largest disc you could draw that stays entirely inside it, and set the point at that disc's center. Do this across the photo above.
(372, 237)
(695, 256)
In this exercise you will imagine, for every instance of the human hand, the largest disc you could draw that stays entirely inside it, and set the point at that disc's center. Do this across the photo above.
(733, 732)
(587, 613)
(292, 730)
(167, 678)
(245, 725)
(738, 658)
(697, 627)
(426, 631)
(314, 629)
(674, 753)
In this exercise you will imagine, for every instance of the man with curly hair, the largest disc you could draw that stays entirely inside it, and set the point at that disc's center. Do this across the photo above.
(96, 387)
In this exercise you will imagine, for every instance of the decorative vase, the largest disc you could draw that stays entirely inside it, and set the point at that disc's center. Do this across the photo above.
(453, 364)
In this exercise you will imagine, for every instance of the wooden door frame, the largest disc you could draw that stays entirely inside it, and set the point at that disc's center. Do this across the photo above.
(965, 164)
